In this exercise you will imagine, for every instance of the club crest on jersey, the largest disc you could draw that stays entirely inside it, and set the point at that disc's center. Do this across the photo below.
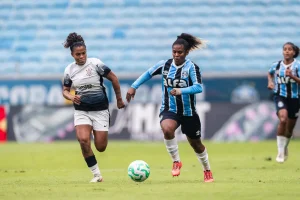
(175, 83)
(185, 74)
(88, 71)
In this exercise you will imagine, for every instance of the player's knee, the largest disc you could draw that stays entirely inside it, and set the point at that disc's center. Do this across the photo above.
(196, 144)
(101, 148)
(169, 134)
(283, 120)
(83, 142)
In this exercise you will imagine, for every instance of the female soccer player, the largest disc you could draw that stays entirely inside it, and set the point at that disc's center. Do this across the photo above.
(285, 74)
(90, 100)
(181, 80)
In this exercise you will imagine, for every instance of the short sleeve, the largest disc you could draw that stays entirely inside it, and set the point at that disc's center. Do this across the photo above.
(272, 69)
(67, 82)
(101, 68)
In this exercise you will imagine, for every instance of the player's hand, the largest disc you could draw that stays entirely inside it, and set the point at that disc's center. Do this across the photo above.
(271, 85)
(130, 94)
(76, 99)
(120, 103)
(175, 91)
(288, 72)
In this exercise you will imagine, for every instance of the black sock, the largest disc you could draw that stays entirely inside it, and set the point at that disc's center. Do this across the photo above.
(91, 161)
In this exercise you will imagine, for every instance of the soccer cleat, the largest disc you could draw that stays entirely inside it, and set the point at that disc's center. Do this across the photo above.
(280, 158)
(286, 153)
(96, 179)
(208, 177)
(176, 168)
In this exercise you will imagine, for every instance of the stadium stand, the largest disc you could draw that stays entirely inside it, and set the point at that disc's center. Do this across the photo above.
(132, 35)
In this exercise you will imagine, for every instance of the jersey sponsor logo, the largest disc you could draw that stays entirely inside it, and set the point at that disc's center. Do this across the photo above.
(165, 73)
(175, 83)
(84, 87)
(285, 80)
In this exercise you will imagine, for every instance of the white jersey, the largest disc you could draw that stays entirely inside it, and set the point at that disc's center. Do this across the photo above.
(87, 80)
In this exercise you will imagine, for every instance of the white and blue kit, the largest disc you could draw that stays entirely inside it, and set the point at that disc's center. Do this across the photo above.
(181, 108)
(286, 90)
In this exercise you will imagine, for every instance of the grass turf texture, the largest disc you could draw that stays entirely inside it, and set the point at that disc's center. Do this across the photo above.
(58, 171)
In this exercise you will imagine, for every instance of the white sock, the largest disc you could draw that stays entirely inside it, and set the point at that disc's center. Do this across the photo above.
(172, 148)
(203, 159)
(281, 143)
(95, 170)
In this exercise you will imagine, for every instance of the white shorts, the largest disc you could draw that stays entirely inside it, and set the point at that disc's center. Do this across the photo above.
(99, 120)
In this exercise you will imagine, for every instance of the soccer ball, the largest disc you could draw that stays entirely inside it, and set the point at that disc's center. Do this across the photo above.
(138, 170)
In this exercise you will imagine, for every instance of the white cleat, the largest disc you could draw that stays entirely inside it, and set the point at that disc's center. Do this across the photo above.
(280, 158)
(286, 153)
(96, 179)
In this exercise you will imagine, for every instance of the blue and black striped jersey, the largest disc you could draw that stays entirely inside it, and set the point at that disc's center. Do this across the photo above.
(187, 77)
(284, 85)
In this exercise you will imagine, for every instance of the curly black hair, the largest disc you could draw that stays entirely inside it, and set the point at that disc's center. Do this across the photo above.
(190, 42)
(74, 40)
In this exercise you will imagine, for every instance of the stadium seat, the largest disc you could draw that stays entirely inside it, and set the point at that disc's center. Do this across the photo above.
(132, 35)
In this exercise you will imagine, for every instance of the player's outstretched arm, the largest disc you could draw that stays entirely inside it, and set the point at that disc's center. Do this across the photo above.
(153, 71)
(116, 85)
(142, 79)
(130, 94)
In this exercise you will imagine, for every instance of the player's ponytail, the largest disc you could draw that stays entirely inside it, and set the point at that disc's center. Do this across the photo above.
(295, 48)
(190, 42)
(74, 40)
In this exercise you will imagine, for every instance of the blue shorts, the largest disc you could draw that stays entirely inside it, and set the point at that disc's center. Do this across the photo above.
(290, 104)
(190, 125)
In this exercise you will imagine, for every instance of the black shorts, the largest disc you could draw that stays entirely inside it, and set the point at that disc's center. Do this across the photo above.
(190, 125)
(290, 104)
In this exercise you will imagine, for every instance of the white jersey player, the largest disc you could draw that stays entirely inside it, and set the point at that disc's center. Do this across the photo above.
(90, 100)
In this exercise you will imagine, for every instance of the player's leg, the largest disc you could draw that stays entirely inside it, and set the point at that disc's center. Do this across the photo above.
(289, 133)
(293, 109)
(83, 126)
(169, 123)
(282, 113)
(191, 127)
(83, 134)
(100, 140)
(100, 120)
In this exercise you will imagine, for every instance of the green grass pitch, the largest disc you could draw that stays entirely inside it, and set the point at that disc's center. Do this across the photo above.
(58, 171)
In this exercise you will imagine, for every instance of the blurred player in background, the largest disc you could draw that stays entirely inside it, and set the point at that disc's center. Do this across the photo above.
(181, 80)
(90, 100)
(283, 79)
